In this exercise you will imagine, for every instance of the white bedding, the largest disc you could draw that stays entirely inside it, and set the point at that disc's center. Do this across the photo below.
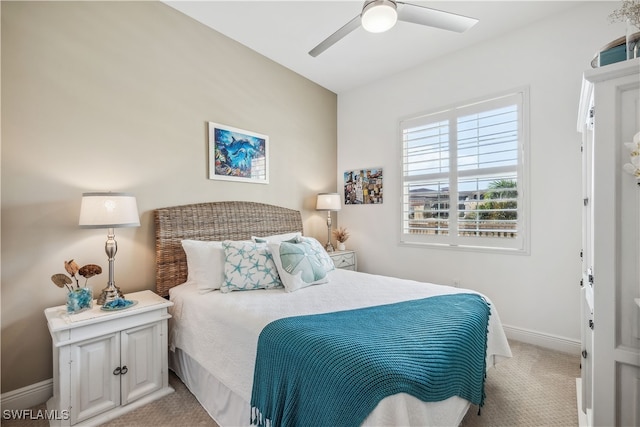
(220, 333)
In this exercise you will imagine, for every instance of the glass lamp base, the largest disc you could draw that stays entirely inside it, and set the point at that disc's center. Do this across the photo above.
(108, 294)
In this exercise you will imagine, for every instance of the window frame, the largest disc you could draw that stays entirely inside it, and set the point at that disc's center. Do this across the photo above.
(521, 243)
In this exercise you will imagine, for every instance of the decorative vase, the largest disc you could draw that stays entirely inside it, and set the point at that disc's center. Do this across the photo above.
(79, 300)
(633, 40)
(341, 246)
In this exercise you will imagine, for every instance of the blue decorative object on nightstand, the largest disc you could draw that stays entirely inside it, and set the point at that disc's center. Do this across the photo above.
(79, 300)
(118, 304)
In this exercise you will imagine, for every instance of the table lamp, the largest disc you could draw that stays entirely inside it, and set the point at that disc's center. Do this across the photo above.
(328, 202)
(109, 210)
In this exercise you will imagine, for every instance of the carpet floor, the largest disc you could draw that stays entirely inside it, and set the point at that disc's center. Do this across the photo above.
(537, 387)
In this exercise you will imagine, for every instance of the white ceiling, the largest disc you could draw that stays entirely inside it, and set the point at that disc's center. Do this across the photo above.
(285, 31)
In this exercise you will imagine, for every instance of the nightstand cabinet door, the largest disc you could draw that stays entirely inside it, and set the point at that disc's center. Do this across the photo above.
(141, 362)
(345, 260)
(94, 387)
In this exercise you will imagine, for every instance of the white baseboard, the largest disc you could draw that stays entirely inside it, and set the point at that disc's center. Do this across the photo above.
(27, 397)
(552, 342)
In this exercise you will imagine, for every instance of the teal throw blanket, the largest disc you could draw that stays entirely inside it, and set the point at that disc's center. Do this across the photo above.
(333, 369)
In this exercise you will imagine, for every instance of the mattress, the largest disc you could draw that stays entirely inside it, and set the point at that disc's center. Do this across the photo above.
(214, 339)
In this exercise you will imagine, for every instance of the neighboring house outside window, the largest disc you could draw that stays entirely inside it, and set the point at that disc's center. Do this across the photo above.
(464, 175)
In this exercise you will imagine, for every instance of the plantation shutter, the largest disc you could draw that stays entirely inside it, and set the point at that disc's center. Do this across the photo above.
(462, 181)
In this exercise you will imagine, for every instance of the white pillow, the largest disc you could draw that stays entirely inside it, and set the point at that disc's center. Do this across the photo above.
(205, 264)
(248, 266)
(276, 238)
(299, 264)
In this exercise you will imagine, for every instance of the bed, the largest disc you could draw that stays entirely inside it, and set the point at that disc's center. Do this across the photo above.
(216, 338)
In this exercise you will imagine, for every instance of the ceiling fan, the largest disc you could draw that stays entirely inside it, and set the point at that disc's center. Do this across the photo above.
(380, 15)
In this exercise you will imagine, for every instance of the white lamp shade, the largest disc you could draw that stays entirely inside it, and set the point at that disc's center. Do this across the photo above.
(328, 202)
(108, 210)
(379, 16)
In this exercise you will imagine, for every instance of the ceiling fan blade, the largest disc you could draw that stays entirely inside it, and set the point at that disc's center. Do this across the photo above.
(335, 37)
(434, 18)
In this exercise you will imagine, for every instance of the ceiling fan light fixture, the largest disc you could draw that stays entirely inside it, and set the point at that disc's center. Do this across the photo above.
(379, 16)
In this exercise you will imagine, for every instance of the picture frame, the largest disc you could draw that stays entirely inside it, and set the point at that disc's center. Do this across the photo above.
(363, 186)
(237, 154)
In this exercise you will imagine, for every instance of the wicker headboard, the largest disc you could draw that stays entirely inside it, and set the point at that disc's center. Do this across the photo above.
(211, 221)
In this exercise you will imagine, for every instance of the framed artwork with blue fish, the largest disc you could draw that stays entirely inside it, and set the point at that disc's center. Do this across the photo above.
(238, 155)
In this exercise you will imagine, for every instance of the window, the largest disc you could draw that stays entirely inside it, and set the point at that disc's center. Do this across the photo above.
(463, 181)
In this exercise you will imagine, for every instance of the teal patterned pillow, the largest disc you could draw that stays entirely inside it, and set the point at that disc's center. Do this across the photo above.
(320, 252)
(298, 264)
(248, 266)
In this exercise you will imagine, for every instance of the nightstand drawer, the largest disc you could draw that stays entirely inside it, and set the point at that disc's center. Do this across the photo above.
(344, 259)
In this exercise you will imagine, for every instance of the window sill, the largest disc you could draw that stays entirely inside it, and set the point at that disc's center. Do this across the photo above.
(468, 248)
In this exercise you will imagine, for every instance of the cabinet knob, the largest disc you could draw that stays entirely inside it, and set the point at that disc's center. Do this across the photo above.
(124, 370)
(590, 323)
(584, 354)
(117, 371)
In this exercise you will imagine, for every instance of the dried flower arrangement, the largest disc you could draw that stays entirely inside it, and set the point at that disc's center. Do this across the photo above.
(341, 234)
(62, 280)
(630, 10)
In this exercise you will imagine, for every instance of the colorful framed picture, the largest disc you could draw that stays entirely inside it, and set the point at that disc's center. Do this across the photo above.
(363, 187)
(238, 155)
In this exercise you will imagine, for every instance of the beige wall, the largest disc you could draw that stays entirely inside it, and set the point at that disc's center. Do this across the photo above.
(115, 96)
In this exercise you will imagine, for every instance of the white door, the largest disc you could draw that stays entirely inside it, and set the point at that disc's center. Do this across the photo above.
(141, 362)
(94, 386)
(586, 318)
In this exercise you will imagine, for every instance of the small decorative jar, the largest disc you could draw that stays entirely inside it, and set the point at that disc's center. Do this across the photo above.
(79, 299)
(341, 246)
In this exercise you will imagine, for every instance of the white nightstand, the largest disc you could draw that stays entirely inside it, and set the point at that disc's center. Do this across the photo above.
(107, 363)
(345, 259)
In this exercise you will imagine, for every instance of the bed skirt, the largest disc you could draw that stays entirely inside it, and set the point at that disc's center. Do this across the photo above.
(227, 408)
